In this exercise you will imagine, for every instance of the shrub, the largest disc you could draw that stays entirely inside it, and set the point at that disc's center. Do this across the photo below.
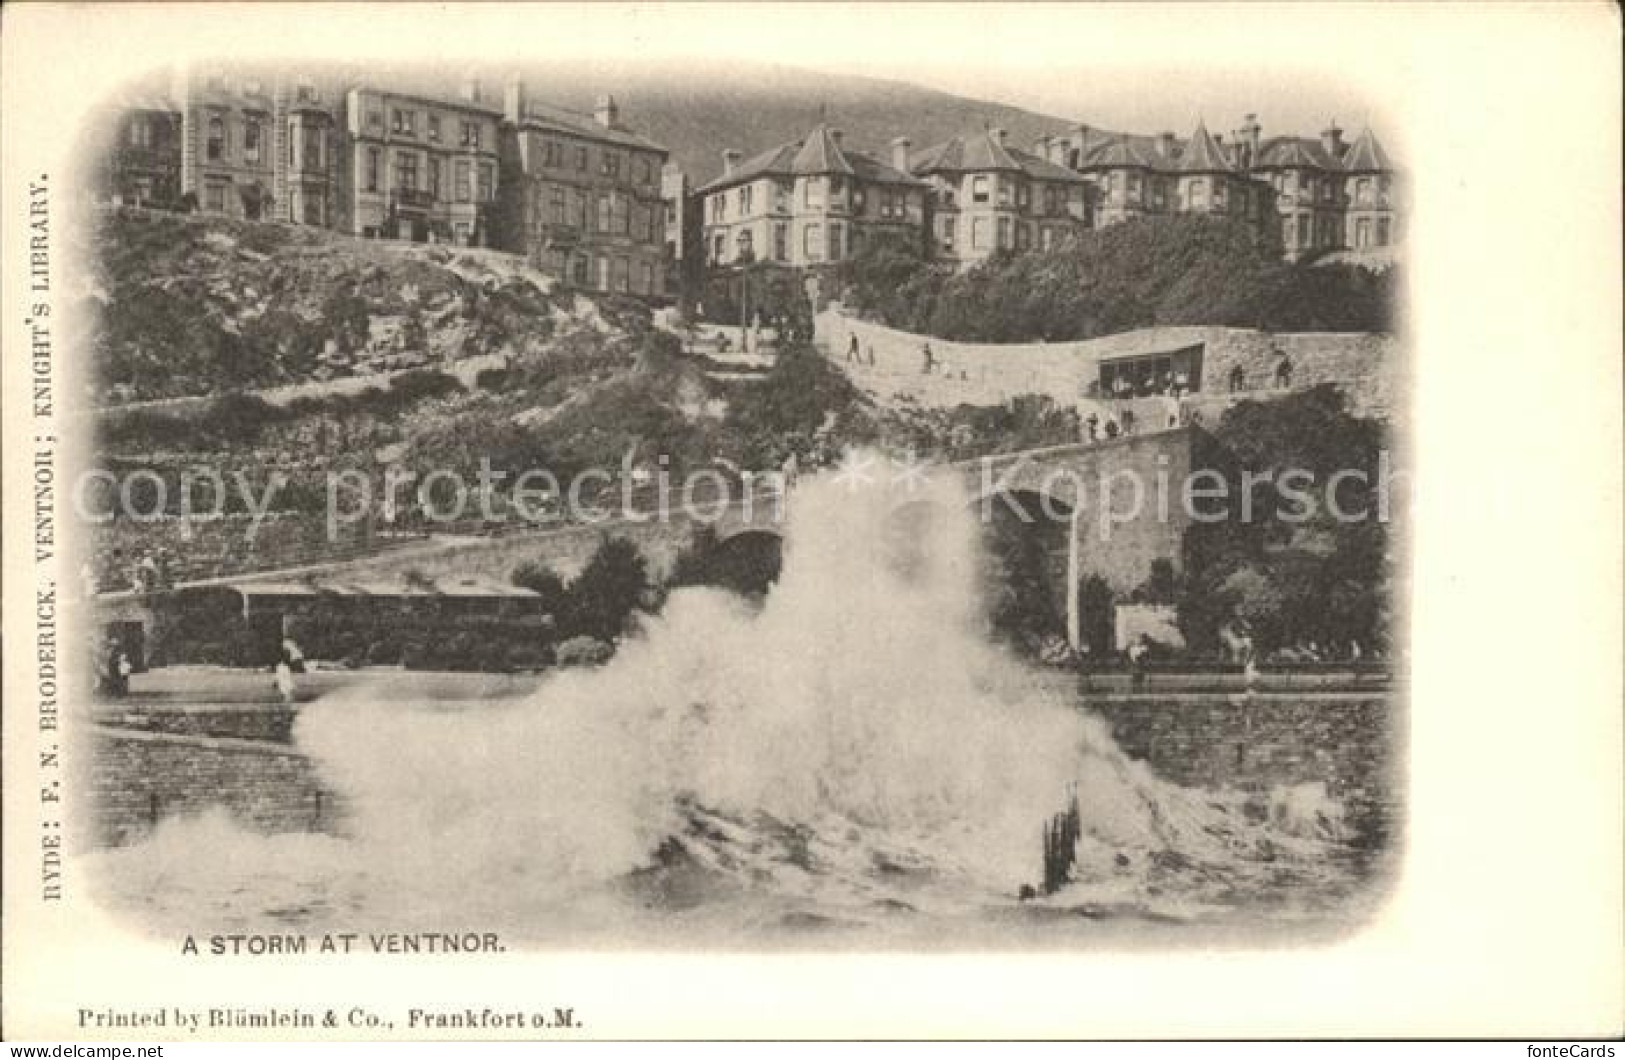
(584, 651)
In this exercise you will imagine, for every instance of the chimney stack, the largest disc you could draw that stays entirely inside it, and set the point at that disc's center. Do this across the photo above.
(606, 112)
(513, 99)
(730, 160)
(899, 153)
(1331, 140)
(1165, 145)
(997, 136)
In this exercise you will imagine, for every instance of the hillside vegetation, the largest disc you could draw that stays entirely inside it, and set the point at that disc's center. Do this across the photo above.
(1141, 273)
(190, 305)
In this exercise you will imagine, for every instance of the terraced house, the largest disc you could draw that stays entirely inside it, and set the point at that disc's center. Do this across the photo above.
(1312, 195)
(258, 143)
(418, 168)
(808, 203)
(582, 195)
(987, 196)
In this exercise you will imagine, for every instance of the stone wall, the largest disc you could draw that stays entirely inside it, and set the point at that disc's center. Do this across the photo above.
(139, 778)
(991, 374)
(1349, 744)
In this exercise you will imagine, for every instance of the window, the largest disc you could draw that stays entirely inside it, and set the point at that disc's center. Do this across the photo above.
(555, 204)
(979, 234)
(487, 182)
(947, 233)
(251, 141)
(375, 119)
(579, 209)
(1287, 232)
(1384, 185)
(437, 176)
(745, 245)
(463, 175)
(609, 164)
(1383, 233)
(812, 242)
(579, 271)
(581, 159)
(403, 122)
(471, 134)
(645, 171)
(1362, 191)
(434, 128)
(837, 247)
(1362, 233)
(978, 189)
(717, 246)
(1004, 192)
(1198, 194)
(745, 197)
(140, 132)
(217, 138)
(646, 278)
(781, 241)
(372, 168)
(214, 197)
(605, 213)
(1004, 233)
(622, 275)
(812, 192)
(552, 154)
(406, 171)
(1305, 231)
(1024, 236)
(311, 142)
(719, 206)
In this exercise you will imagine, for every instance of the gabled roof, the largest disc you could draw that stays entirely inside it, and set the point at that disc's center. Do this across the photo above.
(1126, 152)
(820, 153)
(982, 152)
(546, 116)
(1367, 155)
(962, 154)
(817, 153)
(1202, 155)
(1294, 152)
(1044, 169)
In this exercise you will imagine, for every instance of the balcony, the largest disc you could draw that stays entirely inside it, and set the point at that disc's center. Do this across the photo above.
(411, 200)
(560, 235)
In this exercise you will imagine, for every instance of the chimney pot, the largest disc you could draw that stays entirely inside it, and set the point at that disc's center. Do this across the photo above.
(606, 112)
(997, 135)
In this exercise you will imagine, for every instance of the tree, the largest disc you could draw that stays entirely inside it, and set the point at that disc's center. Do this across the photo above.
(606, 592)
(540, 579)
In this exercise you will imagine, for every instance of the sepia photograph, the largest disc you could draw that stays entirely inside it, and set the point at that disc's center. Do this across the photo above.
(724, 505)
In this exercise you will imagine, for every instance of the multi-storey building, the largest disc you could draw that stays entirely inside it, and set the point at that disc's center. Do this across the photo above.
(1370, 194)
(808, 203)
(987, 196)
(1308, 193)
(137, 148)
(583, 195)
(685, 235)
(417, 168)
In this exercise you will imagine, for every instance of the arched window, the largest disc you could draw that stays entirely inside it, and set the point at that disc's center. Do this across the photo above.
(217, 138)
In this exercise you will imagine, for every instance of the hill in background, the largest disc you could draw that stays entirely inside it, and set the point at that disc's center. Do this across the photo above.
(698, 110)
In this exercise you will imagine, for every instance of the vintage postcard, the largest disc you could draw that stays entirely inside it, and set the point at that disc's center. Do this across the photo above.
(623, 521)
